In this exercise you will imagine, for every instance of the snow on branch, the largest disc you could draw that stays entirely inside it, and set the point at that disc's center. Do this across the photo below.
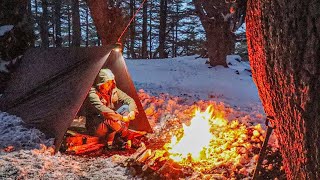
(227, 16)
(5, 28)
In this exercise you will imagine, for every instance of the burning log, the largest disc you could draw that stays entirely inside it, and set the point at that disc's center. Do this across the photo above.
(77, 143)
(144, 156)
(9, 149)
(139, 151)
(155, 164)
(85, 148)
(76, 139)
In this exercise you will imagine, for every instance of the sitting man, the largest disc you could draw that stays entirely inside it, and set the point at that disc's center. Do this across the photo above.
(111, 110)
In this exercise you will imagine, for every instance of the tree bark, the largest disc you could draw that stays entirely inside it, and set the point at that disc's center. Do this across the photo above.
(132, 29)
(109, 21)
(162, 29)
(144, 47)
(150, 28)
(44, 33)
(57, 15)
(176, 30)
(76, 28)
(220, 39)
(87, 26)
(284, 53)
(220, 43)
(69, 24)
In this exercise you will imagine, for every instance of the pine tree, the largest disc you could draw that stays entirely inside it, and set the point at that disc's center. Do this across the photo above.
(57, 15)
(215, 18)
(76, 28)
(44, 33)
(162, 29)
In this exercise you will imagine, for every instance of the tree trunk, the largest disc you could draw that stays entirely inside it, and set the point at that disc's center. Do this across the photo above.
(76, 28)
(176, 30)
(132, 29)
(44, 33)
(150, 29)
(220, 43)
(69, 25)
(18, 38)
(162, 29)
(173, 40)
(144, 47)
(57, 15)
(219, 36)
(284, 53)
(87, 26)
(109, 21)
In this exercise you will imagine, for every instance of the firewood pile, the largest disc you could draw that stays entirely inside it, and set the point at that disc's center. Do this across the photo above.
(79, 144)
(154, 164)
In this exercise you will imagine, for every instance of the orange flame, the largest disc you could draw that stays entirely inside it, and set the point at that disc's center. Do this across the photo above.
(209, 140)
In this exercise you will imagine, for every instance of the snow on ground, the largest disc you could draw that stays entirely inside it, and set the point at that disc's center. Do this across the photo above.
(188, 76)
(40, 164)
(168, 88)
(14, 133)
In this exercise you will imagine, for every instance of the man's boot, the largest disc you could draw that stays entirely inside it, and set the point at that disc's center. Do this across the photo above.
(130, 136)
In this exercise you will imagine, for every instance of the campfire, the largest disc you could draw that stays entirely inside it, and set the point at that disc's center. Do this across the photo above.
(210, 141)
(206, 145)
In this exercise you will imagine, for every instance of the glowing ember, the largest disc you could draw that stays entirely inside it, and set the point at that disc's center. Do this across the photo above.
(209, 141)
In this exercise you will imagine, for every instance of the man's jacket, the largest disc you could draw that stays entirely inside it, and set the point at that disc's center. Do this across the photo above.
(108, 111)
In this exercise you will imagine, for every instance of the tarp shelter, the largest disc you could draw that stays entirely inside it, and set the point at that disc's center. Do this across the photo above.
(50, 85)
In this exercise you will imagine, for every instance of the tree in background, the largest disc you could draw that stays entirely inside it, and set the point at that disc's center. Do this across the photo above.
(144, 51)
(14, 16)
(44, 20)
(284, 53)
(217, 19)
(162, 29)
(57, 22)
(131, 48)
(108, 18)
(69, 23)
(76, 27)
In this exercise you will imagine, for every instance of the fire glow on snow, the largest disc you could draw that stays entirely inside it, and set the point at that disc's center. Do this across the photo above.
(209, 141)
(173, 89)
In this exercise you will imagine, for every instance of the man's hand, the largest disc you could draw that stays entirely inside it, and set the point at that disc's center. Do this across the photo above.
(132, 115)
(125, 119)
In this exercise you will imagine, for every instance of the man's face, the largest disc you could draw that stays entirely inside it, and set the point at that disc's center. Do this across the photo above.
(114, 97)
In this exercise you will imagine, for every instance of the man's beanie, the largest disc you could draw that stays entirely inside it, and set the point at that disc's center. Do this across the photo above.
(105, 75)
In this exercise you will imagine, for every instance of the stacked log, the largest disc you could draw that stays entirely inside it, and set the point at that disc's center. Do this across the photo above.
(78, 144)
(155, 164)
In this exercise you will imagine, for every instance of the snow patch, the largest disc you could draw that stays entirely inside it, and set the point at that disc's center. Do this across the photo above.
(235, 62)
(14, 133)
(5, 28)
(27, 164)
(4, 65)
